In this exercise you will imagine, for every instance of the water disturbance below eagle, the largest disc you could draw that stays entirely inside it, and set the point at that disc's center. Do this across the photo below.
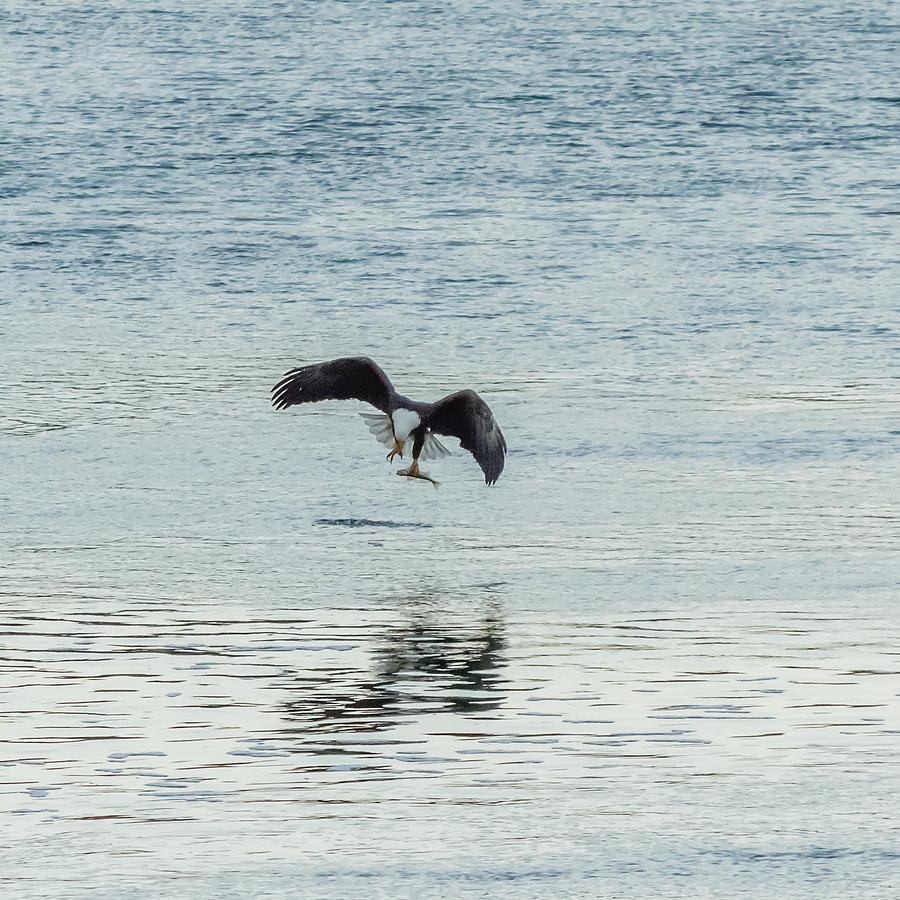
(404, 424)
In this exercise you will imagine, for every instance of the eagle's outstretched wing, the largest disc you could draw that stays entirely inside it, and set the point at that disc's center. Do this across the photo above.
(466, 416)
(350, 378)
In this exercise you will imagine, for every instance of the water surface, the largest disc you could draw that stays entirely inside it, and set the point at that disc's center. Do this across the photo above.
(657, 659)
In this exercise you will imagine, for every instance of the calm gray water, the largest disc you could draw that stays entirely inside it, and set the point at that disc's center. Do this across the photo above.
(659, 659)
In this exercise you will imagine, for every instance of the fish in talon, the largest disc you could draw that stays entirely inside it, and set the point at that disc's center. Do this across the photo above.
(417, 473)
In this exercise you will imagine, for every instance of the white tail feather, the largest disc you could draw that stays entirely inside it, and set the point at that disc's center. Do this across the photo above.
(381, 426)
(433, 448)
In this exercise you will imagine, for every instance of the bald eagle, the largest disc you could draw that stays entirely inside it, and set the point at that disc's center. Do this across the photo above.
(403, 424)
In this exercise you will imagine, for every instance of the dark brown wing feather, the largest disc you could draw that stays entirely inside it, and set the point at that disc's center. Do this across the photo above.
(466, 416)
(350, 378)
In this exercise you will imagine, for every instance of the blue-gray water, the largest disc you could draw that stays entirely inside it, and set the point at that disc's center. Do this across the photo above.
(659, 658)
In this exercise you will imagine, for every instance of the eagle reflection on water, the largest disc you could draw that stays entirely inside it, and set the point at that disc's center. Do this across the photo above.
(419, 666)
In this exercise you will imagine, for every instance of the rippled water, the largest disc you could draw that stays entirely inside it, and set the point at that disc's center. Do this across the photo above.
(242, 658)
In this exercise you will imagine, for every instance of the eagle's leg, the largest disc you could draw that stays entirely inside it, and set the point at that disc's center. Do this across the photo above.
(418, 444)
(397, 451)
